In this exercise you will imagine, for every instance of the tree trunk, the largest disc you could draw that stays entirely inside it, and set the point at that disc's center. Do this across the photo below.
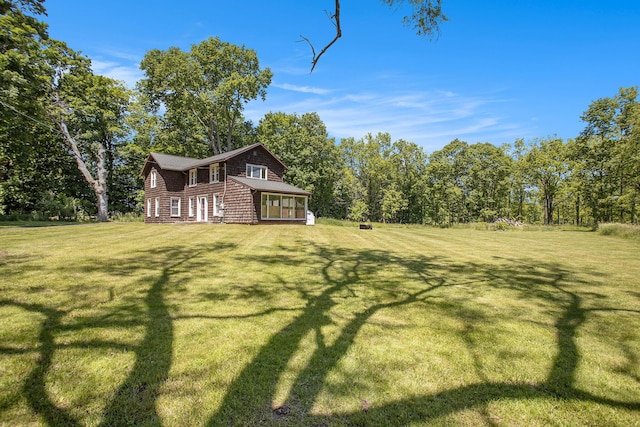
(99, 186)
(103, 210)
(548, 210)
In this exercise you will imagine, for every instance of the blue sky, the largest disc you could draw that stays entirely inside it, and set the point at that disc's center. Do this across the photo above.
(500, 69)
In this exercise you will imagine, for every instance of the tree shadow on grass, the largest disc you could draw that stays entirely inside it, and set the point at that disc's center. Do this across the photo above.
(250, 399)
(342, 273)
(134, 402)
(34, 387)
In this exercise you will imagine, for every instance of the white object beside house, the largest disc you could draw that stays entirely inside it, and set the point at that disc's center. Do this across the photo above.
(311, 218)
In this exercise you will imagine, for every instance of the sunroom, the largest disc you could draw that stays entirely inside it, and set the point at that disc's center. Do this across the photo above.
(283, 206)
(276, 200)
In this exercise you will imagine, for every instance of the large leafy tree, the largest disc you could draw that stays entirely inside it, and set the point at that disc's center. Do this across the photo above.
(89, 112)
(606, 156)
(383, 180)
(518, 192)
(313, 160)
(20, 36)
(468, 183)
(407, 171)
(55, 110)
(36, 174)
(445, 179)
(369, 158)
(393, 202)
(547, 168)
(202, 93)
(487, 181)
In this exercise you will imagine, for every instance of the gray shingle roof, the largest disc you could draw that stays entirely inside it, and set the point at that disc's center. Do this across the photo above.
(270, 186)
(174, 163)
(229, 154)
(178, 163)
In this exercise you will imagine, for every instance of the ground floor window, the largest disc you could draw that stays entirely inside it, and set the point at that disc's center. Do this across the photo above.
(157, 206)
(217, 205)
(283, 206)
(175, 206)
(190, 206)
(148, 208)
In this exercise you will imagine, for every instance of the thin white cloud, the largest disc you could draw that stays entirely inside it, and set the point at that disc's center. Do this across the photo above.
(115, 70)
(301, 89)
(428, 118)
(129, 57)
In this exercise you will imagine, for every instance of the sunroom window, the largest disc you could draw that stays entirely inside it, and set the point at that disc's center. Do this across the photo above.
(283, 206)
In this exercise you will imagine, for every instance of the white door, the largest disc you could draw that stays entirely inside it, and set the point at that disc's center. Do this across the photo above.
(203, 214)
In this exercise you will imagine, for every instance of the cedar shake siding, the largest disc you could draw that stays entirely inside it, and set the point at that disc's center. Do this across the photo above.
(244, 208)
(186, 189)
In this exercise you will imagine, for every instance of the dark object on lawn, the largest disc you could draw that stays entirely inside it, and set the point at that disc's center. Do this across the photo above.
(282, 411)
(366, 227)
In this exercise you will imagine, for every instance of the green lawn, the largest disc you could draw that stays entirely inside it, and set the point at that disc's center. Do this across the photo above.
(116, 324)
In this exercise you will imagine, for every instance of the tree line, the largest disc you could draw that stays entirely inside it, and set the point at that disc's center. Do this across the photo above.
(73, 143)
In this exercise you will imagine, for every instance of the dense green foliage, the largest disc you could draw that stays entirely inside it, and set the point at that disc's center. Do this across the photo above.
(312, 158)
(55, 112)
(203, 93)
(73, 143)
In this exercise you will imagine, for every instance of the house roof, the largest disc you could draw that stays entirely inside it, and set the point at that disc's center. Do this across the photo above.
(181, 164)
(229, 154)
(173, 163)
(270, 186)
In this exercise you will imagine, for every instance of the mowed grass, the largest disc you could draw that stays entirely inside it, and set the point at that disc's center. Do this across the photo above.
(134, 324)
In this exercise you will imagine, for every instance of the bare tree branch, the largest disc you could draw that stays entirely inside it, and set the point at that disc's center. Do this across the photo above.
(426, 17)
(335, 19)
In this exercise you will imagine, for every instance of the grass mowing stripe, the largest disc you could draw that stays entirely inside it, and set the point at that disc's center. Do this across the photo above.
(235, 325)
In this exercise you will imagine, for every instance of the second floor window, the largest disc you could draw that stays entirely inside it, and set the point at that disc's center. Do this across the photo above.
(214, 173)
(255, 171)
(193, 177)
(154, 179)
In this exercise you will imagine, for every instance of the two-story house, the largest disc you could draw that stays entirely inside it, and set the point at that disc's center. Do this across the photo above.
(241, 186)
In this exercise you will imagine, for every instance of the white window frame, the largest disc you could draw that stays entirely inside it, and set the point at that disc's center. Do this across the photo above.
(148, 208)
(214, 173)
(261, 171)
(154, 179)
(171, 207)
(193, 177)
(217, 208)
(157, 207)
(202, 206)
(191, 213)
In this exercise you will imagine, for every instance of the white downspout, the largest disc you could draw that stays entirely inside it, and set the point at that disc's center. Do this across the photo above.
(224, 192)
